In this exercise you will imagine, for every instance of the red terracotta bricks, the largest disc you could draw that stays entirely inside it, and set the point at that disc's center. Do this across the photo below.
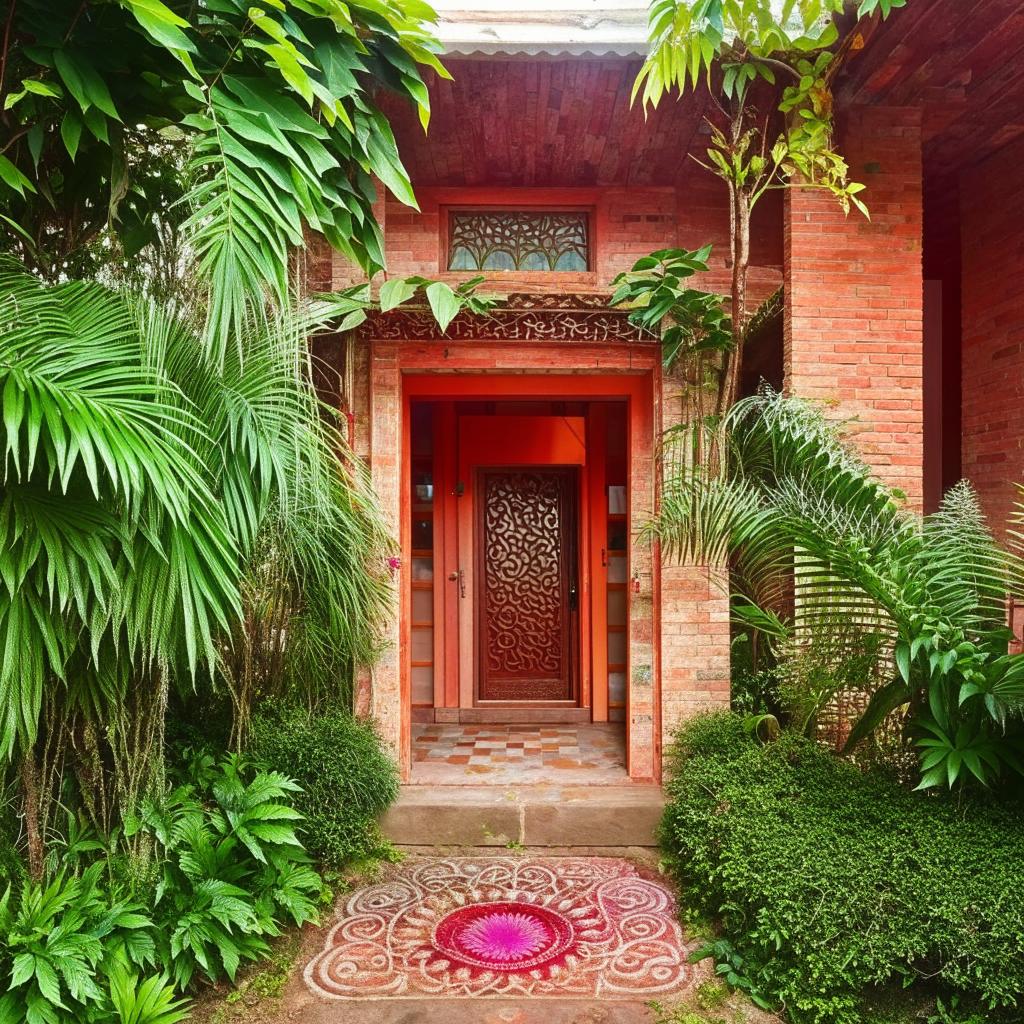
(854, 295)
(992, 226)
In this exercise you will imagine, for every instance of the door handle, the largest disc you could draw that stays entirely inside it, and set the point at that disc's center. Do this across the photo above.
(461, 577)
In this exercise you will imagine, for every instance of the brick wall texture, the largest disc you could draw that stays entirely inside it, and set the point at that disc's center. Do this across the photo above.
(992, 226)
(629, 223)
(853, 319)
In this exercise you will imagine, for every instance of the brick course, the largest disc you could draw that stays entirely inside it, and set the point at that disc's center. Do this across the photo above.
(854, 295)
(992, 216)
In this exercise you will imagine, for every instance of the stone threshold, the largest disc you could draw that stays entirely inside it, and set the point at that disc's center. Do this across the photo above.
(568, 817)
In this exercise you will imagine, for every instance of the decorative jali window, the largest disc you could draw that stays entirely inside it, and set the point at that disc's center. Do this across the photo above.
(546, 240)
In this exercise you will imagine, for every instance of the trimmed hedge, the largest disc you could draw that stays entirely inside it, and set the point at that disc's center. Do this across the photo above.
(347, 779)
(827, 879)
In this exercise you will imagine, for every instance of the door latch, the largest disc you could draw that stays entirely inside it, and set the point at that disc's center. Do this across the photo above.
(461, 577)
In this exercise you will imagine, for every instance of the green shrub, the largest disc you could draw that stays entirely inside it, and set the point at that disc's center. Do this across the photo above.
(69, 954)
(346, 777)
(233, 871)
(828, 880)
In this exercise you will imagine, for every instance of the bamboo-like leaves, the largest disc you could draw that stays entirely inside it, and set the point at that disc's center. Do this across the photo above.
(138, 478)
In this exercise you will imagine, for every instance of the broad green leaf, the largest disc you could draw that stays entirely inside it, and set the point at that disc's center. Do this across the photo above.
(396, 291)
(12, 177)
(444, 303)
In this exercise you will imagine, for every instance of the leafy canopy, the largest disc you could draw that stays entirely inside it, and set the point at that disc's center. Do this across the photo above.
(260, 118)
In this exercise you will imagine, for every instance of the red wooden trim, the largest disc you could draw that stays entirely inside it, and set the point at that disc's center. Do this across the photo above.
(445, 441)
(525, 387)
(437, 476)
(405, 593)
(597, 438)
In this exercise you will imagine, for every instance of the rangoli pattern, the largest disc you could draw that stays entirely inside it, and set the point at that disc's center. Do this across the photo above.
(584, 927)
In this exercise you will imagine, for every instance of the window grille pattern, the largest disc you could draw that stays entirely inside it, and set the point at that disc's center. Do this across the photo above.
(546, 240)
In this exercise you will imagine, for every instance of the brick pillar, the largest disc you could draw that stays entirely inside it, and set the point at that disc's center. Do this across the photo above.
(693, 624)
(853, 317)
(379, 688)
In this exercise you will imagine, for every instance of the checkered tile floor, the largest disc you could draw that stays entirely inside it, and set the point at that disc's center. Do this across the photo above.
(519, 753)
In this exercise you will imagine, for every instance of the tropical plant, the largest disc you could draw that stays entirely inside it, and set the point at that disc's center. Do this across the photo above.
(695, 330)
(65, 948)
(140, 479)
(755, 54)
(847, 577)
(273, 104)
(233, 869)
(445, 302)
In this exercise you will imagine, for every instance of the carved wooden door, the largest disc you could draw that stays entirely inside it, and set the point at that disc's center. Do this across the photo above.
(527, 592)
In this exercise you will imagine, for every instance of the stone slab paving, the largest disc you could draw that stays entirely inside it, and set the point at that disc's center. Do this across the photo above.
(464, 931)
(439, 817)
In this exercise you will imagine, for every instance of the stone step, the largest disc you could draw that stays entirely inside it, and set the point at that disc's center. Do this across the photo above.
(592, 817)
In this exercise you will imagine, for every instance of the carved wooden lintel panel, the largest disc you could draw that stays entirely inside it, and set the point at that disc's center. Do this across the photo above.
(522, 317)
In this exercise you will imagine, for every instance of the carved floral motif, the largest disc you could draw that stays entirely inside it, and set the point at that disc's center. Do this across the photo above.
(560, 317)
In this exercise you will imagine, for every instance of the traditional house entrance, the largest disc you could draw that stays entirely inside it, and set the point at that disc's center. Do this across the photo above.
(513, 456)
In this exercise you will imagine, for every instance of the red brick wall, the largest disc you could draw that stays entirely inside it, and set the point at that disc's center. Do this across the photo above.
(992, 232)
(853, 321)
(629, 223)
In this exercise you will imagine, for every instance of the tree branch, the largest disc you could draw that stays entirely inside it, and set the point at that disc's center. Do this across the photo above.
(7, 47)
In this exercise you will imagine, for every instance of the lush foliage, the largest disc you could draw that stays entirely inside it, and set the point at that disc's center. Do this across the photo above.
(696, 333)
(232, 869)
(181, 523)
(347, 780)
(827, 880)
(225, 873)
(70, 954)
(163, 522)
(272, 103)
(754, 56)
(849, 591)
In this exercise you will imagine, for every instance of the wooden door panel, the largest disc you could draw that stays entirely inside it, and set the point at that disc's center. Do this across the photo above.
(526, 570)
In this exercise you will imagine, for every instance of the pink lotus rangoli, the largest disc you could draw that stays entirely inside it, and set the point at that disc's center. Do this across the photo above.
(588, 927)
(504, 940)
(503, 936)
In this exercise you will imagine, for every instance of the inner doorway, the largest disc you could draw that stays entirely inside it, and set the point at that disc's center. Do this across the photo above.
(517, 605)
(527, 585)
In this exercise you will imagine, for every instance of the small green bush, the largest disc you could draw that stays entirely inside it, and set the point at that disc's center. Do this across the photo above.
(828, 879)
(346, 777)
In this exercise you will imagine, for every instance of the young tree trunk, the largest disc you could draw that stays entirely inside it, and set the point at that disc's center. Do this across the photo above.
(30, 797)
(739, 218)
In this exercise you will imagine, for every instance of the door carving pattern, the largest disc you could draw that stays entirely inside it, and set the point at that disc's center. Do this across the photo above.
(525, 629)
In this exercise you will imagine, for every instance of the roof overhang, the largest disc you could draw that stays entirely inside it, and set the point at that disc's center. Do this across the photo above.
(596, 28)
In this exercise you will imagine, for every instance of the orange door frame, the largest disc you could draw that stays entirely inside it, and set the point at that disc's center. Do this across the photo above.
(634, 388)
